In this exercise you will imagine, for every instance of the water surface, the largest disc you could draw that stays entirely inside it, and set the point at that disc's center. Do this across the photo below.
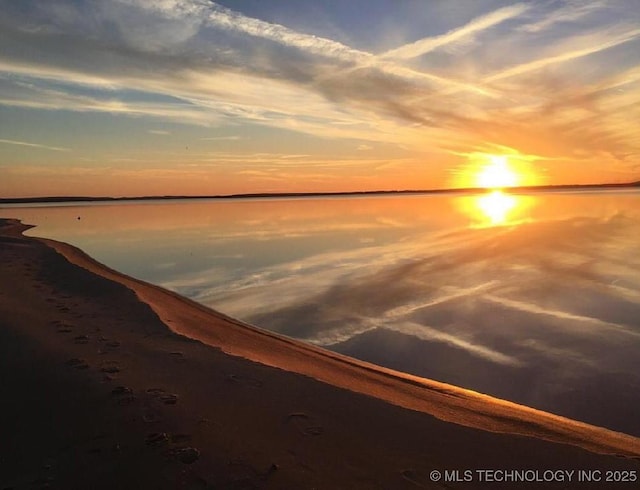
(533, 298)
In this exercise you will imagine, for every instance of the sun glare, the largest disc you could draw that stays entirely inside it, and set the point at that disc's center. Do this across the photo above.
(497, 173)
(496, 207)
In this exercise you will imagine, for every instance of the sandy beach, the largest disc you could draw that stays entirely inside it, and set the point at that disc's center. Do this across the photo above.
(111, 382)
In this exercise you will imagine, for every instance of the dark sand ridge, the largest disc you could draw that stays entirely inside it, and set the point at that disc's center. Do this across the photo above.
(100, 394)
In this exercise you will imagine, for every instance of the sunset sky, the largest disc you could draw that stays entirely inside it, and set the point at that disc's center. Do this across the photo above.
(149, 97)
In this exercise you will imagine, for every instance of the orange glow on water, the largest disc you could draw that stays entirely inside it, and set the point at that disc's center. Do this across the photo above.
(496, 208)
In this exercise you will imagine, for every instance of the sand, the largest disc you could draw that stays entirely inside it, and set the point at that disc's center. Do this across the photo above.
(110, 382)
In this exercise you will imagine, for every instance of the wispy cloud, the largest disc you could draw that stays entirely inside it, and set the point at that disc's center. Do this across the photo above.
(222, 138)
(33, 145)
(594, 44)
(571, 11)
(461, 35)
(215, 15)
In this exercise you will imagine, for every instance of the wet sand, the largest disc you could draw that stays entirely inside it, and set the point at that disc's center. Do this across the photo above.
(105, 386)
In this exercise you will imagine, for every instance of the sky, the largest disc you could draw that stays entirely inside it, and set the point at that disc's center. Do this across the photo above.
(195, 97)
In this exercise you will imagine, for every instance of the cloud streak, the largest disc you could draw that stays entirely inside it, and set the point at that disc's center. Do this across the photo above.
(571, 11)
(33, 145)
(597, 43)
(461, 35)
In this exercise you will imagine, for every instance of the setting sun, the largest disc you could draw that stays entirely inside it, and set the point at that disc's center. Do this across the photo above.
(497, 174)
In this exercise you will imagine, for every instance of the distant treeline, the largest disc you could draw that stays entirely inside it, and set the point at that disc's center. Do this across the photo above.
(65, 199)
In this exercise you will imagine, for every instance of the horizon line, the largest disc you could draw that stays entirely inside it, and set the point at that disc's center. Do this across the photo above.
(255, 195)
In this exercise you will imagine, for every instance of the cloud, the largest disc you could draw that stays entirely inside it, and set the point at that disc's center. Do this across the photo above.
(456, 36)
(593, 43)
(571, 11)
(222, 138)
(33, 145)
(218, 16)
(312, 50)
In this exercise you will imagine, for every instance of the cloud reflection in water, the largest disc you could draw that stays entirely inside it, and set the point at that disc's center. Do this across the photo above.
(537, 301)
(537, 311)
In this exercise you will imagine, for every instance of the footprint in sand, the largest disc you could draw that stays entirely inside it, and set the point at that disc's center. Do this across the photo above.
(81, 339)
(169, 399)
(155, 391)
(304, 424)
(77, 363)
(110, 367)
(245, 380)
(157, 439)
(65, 328)
(153, 413)
(177, 356)
(61, 326)
(187, 455)
(163, 396)
(121, 390)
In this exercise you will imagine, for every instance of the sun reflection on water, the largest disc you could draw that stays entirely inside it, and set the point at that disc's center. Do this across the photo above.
(496, 208)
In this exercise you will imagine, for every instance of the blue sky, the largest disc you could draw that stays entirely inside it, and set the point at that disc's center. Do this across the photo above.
(131, 97)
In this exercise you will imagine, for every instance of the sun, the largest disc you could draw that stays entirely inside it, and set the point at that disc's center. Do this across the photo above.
(496, 173)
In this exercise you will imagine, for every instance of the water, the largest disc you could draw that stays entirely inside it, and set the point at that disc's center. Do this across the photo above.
(533, 298)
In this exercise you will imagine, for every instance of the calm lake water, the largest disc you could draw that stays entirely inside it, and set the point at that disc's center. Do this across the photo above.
(533, 298)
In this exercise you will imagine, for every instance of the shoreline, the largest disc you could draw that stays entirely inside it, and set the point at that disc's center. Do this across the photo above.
(295, 195)
(444, 401)
(340, 391)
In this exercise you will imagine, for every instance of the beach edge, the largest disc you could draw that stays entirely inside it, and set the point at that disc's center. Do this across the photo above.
(445, 402)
